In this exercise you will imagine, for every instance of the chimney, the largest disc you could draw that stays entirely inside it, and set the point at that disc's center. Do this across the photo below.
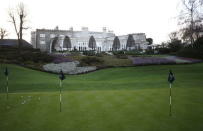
(84, 28)
(71, 28)
(104, 29)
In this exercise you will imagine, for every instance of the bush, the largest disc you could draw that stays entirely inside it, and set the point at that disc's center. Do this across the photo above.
(149, 51)
(89, 53)
(99, 54)
(175, 45)
(191, 52)
(36, 57)
(133, 52)
(118, 52)
(26, 54)
(122, 56)
(61, 59)
(195, 51)
(163, 50)
(151, 61)
(89, 60)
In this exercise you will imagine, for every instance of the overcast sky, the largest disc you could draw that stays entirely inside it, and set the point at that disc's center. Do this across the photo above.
(156, 18)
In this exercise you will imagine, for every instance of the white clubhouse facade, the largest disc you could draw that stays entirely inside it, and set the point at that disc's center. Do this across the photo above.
(55, 39)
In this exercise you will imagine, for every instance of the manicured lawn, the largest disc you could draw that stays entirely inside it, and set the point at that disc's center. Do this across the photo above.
(116, 99)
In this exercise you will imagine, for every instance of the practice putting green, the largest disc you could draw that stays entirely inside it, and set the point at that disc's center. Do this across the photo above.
(116, 99)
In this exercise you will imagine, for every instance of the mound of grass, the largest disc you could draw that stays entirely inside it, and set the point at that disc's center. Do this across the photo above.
(133, 98)
(90, 61)
(112, 61)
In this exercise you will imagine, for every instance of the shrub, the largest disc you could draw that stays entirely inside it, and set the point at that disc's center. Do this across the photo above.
(61, 59)
(163, 50)
(195, 51)
(36, 57)
(175, 45)
(122, 56)
(99, 54)
(191, 52)
(133, 52)
(151, 61)
(27, 54)
(89, 53)
(89, 60)
(29, 63)
(149, 51)
(118, 52)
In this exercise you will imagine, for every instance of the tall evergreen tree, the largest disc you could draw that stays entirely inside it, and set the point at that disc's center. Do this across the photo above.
(130, 42)
(53, 44)
(150, 41)
(116, 43)
(92, 43)
(67, 42)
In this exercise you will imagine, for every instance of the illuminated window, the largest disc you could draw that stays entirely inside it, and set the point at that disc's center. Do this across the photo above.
(42, 42)
(42, 35)
(52, 35)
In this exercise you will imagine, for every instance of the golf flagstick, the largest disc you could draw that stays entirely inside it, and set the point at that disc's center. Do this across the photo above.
(7, 87)
(171, 78)
(60, 94)
(61, 77)
(6, 74)
(170, 97)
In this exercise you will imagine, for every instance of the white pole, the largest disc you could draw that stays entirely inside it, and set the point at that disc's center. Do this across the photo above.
(170, 94)
(170, 101)
(60, 94)
(7, 87)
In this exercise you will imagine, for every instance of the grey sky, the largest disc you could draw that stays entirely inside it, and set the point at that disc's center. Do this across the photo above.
(156, 18)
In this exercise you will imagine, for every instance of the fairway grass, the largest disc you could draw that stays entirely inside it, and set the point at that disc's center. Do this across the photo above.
(116, 99)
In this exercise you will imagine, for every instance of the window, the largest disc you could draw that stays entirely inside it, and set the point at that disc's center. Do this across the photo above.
(42, 35)
(42, 42)
(52, 35)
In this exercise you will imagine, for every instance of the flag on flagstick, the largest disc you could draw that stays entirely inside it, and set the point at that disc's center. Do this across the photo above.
(171, 79)
(61, 77)
(6, 74)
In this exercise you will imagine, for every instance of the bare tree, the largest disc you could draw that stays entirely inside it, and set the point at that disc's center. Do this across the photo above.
(191, 17)
(3, 33)
(18, 19)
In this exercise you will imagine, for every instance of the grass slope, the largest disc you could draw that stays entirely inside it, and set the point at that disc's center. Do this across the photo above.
(134, 98)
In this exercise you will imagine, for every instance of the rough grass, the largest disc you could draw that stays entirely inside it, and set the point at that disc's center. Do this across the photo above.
(116, 99)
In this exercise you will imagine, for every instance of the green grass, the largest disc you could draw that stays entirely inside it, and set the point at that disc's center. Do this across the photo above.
(113, 61)
(108, 61)
(116, 99)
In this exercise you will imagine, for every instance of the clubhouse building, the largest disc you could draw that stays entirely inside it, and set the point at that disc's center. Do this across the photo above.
(50, 40)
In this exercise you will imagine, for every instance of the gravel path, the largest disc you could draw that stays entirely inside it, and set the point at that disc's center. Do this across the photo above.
(68, 68)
